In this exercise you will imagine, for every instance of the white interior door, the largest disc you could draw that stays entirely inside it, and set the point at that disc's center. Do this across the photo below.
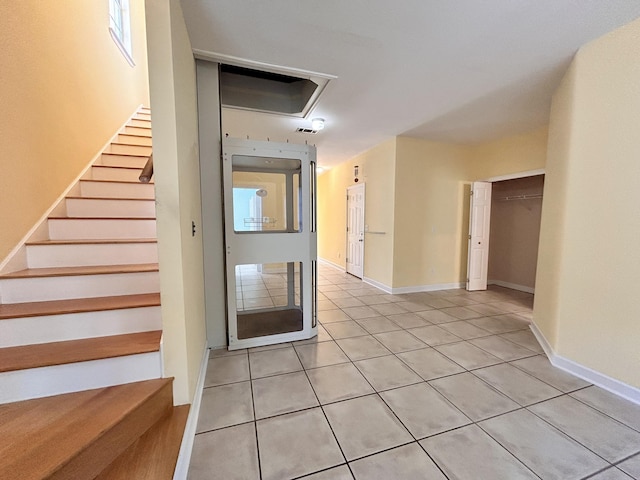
(479, 223)
(355, 230)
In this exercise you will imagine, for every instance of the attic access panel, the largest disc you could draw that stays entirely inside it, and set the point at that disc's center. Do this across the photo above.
(251, 89)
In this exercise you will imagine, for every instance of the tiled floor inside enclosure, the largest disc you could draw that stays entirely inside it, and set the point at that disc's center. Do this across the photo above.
(439, 385)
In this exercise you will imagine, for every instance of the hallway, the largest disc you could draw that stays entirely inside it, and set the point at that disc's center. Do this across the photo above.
(438, 385)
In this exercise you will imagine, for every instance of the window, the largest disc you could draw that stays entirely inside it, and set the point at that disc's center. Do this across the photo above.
(120, 27)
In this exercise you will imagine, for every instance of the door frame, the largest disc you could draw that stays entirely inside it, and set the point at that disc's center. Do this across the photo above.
(498, 178)
(364, 192)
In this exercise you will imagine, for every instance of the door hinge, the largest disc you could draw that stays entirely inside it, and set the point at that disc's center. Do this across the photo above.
(469, 237)
(471, 192)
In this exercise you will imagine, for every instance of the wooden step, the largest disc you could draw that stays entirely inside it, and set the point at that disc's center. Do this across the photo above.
(86, 228)
(154, 455)
(119, 173)
(135, 122)
(78, 435)
(115, 160)
(60, 353)
(129, 139)
(141, 131)
(61, 283)
(87, 252)
(116, 147)
(78, 305)
(110, 207)
(113, 189)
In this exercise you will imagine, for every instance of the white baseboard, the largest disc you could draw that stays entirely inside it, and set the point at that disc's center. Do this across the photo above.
(186, 447)
(513, 286)
(600, 379)
(427, 288)
(375, 283)
(335, 265)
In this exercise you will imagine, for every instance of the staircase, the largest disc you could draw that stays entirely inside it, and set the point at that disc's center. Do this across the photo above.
(81, 393)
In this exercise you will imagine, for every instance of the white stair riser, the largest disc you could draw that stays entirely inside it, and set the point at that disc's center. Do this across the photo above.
(134, 122)
(89, 207)
(122, 161)
(134, 140)
(74, 326)
(117, 190)
(91, 254)
(77, 229)
(142, 115)
(42, 289)
(128, 149)
(74, 377)
(99, 172)
(141, 132)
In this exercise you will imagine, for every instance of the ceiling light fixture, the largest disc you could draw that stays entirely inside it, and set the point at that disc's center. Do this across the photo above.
(317, 123)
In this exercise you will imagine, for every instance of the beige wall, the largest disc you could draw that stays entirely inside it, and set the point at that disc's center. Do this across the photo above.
(431, 213)
(177, 178)
(588, 256)
(515, 232)
(377, 167)
(66, 88)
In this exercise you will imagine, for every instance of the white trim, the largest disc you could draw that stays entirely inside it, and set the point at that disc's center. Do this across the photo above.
(428, 288)
(73, 183)
(513, 286)
(512, 176)
(189, 435)
(335, 265)
(600, 379)
(375, 283)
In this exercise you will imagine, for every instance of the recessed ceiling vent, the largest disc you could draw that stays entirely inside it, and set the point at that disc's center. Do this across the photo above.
(269, 91)
(306, 130)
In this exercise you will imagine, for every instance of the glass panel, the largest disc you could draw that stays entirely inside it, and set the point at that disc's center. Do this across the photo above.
(266, 194)
(268, 299)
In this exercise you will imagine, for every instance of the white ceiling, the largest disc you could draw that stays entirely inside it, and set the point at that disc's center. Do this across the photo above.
(460, 71)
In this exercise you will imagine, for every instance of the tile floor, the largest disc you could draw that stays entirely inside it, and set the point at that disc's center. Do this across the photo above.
(439, 385)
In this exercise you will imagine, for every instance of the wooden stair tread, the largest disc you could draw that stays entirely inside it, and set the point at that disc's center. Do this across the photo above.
(99, 218)
(117, 167)
(71, 351)
(134, 134)
(100, 241)
(86, 270)
(134, 182)
(129, 144)
(154, 455)
(126, 154)
(77, 435)
(78, 305)
(109, 199)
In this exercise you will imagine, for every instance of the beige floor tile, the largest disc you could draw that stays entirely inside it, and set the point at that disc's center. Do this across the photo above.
(360, 348)
(326, 305)
(320, 354)
(364, 426)
(265, 348)
(631, 467)
(611, 474)
(348, 302)
(345, 329)
(400, 341)
(524, 338)
(439, 303)
(429, 364)
(436, 317)
(470, 454)
(282, 394)
(473, 397)
(410, 306)
(378, 325)
(516, 384)
(374, 299)
(338, 473)
(540, 367)
(230, 452)
(461, 312)
(296, 444)
(389, 309)
(360, 312)
(322, 336)
(501, 348)
(486, 309)
(408, 320)
(225, 406)
(501, 323)
(409, 462)
(222, 370)
(622, 410)
(274, 362)
(542, 448)
(464, 330)
(468, 355)
(608, 438)
(224, 352)
(434, 335)
(423, 411)
(387, 372)
(332, 295)
(338, 382)
(330, 316)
